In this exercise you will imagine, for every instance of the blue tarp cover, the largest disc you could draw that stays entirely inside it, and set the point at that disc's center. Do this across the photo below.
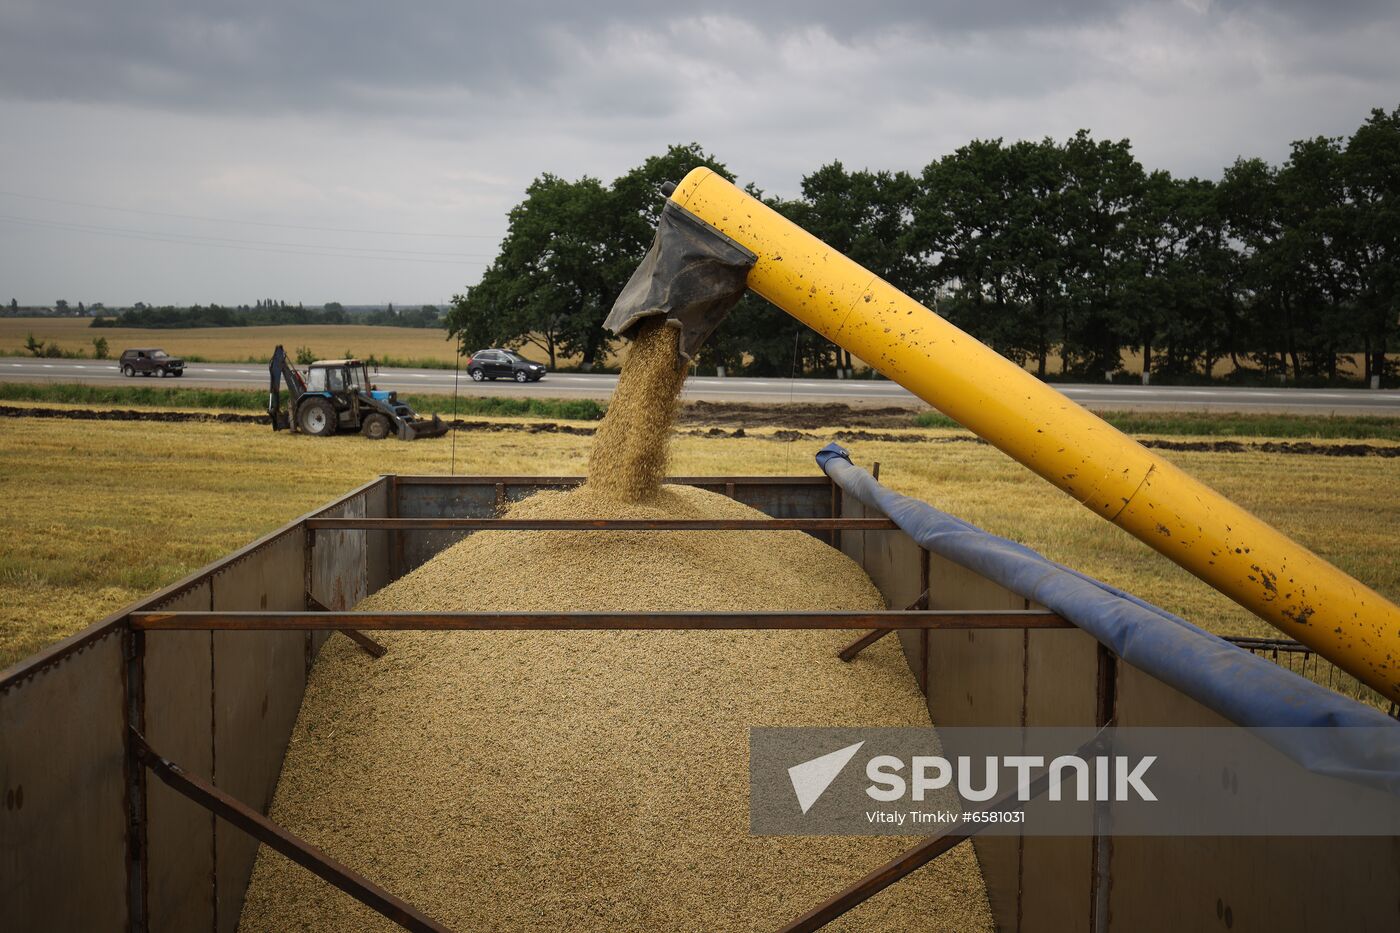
(1244, 688)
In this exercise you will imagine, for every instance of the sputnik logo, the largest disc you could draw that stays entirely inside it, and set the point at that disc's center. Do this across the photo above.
(810, 779)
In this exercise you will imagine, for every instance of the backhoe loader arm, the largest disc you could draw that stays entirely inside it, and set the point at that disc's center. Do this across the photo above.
(280, 370)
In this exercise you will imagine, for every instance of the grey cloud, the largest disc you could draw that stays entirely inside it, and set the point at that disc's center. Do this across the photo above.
(435, 115)
(377, 58)
(260, 55)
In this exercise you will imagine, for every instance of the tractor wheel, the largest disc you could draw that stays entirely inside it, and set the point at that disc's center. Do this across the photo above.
(522, 376)
(317, 417)
(128, 371)
(476, 374)
(376, 427)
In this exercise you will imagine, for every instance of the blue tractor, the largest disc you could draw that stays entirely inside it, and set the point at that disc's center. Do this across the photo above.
(336, 395)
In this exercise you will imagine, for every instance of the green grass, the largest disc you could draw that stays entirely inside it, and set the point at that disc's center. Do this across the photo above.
(168, 396)
(161, 395)
(1223, 424)
(581, 409)
(1179, 424)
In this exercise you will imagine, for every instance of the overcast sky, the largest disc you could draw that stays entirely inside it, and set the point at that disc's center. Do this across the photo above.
(363, 152)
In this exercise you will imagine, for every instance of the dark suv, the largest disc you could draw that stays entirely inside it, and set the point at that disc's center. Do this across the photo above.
(503, 364)
(150, 362)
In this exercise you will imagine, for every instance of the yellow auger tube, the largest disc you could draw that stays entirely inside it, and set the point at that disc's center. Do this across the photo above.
(1266, 572)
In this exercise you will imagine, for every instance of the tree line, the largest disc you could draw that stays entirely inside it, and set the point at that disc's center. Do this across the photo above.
(1059, 254)
(266, 312)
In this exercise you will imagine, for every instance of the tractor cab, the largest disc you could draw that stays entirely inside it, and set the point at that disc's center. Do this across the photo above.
(343, 377)
(337, 395)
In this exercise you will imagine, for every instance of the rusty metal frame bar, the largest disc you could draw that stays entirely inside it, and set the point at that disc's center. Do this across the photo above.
(396, 538)
(926, 586)
(371, 647)
(239, 814)
(134, 683)
(525, 480)
(1284, 645)
(849, 652)
(1101, 853)
(591, 621)
(901, 866)
(600, 524)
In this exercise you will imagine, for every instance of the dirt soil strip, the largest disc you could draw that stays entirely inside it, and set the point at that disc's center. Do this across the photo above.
(787, 435)
(229, 417)
(804, 416)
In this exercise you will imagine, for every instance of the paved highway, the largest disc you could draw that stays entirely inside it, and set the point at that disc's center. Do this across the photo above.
(862, 392)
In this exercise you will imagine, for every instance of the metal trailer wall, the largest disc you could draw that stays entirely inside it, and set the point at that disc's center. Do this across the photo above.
(1064, 677)
(483, 496)
(222, 706)
(88, 843)
(75, 850)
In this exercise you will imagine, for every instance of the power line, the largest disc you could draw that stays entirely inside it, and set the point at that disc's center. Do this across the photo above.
(248, 223)
(56, 227)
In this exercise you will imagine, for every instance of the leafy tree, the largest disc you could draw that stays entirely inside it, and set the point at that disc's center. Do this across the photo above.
(34, 346)
(1371, 172)
(1103, 183)
(1176, 254)
(960, 225)
(866, 216)
(546, 285)
(1030, 246)
(1318, 234)
(989, 221)
(473, 318)
(100, 348)
(569, 249)
(1263, 208)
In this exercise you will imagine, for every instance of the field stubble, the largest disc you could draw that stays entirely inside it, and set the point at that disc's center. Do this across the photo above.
(235, 344)
(99, 513)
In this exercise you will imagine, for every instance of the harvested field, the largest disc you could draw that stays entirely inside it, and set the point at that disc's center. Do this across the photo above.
(111, 510)
(593, 780)
(783, 435)
(234, 344)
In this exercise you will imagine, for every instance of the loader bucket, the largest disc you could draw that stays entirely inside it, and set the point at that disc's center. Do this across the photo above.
(422, 427)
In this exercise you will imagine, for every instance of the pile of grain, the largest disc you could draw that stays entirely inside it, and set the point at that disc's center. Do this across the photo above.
(595, 780)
